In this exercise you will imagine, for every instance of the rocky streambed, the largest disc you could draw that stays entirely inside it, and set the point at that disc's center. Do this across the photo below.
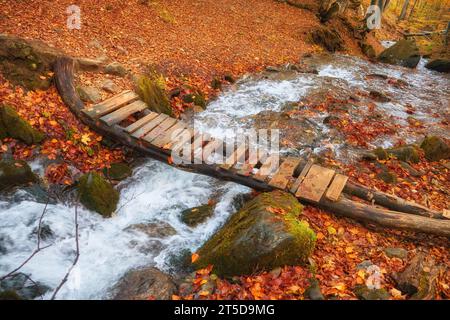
(156, 224)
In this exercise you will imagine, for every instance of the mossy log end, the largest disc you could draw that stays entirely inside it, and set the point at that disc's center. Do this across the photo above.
(64, 79)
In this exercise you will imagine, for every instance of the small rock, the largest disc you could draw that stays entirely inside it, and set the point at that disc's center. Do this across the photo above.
(86, 64)
(144, 284)
(46, 232)
(387, 176)
(229, 77)
(117, 69)
(364, 293)
(14, 173)
(118, 171)
(110, 86)
(89, 94)
(435, 148)
(364, 265)
(194, 216)
(379, 96)
(155, 229)
(396, 253)
(439, 65)
(313, 291)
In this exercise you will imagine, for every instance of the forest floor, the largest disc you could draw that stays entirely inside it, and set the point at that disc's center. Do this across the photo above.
(191, 42)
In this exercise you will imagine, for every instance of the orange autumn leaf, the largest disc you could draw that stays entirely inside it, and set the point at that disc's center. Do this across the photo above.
(194, 257)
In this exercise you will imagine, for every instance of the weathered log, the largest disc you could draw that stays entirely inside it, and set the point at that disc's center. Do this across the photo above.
(64, 79)
(386, 218)
(390, 201)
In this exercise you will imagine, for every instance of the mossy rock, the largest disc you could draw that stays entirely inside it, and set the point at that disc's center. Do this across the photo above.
(265, 234)
(406, 153)
(404, 53)
(439, 65)
(27, 62)
(197, 99)
(10, 295)
(387, 176)
(14, 173)
(12, 125)
(194, 216)
(364, 293)
(118, 171)
(435, 148)
(153, 95)
(97, 194)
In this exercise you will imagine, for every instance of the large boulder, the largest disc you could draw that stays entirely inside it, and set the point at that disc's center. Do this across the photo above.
(419, 279)
(27, 62)
(435, 148)
(440, 65)
(13, 126)
(404, 53)
(145, 284)
(153, 95)
(14, 173)
(97, 194)
(404, 153)
(266, 233)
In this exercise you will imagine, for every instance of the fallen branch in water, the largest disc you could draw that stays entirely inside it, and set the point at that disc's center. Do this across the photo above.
(77, 256)
(36, 251)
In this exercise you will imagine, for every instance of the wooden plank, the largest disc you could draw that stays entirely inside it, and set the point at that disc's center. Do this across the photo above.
(150, 125)
(123, 113)
(315, 183)
(160, 129)
(111, 104)
(138, 124)
(211, 148)
(253, 159)
(167, 137)
(238, 155)
(302, 176)
(269, 166)
(284, 174)
(200, 141)
(336, 187)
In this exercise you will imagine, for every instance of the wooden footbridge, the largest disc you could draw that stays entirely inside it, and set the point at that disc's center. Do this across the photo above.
(153, 134)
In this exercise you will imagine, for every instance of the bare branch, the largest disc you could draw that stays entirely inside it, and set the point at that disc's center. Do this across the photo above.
(77, 256)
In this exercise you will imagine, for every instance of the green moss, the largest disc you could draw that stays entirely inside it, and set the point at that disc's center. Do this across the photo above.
(255, 238)
(9, 295)
(406, 153)
(97, 194)
(118, 171)
(153, 95)
(12, 125)
(387, 176)
(435, 148)
(194, 216)
(15, 173)
(364, 293)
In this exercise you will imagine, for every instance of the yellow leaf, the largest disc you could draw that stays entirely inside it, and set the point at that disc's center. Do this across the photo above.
(340, 287)
(53, 123)
(362, 274)
(85, 139)
(395, 293)
(331, 230)
(349, 249)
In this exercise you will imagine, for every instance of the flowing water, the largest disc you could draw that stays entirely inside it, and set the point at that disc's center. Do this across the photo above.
(159, 193)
